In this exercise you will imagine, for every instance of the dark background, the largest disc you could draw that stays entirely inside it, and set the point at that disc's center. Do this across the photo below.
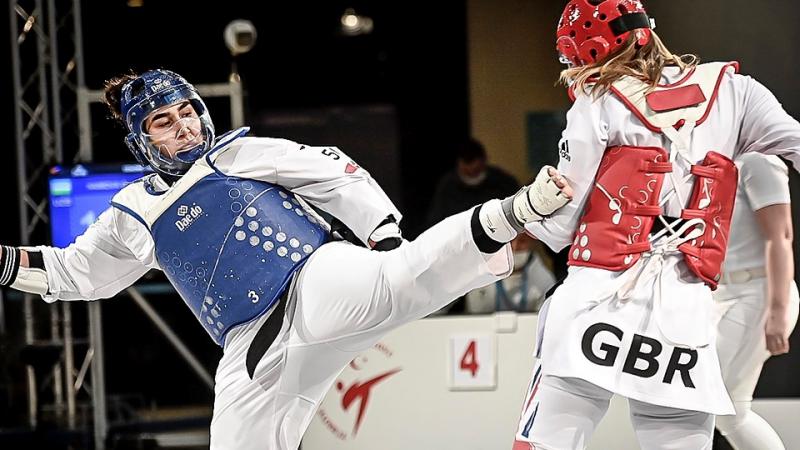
(413, 68)
(402, 89)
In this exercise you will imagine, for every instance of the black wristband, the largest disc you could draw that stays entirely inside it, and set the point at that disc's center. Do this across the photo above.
(9, 265)
(338, 227)
(35, 259)
(484, 243)
(387, 244)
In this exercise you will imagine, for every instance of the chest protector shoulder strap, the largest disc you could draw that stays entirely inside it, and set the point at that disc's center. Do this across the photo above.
(688, 100)
(615, 226)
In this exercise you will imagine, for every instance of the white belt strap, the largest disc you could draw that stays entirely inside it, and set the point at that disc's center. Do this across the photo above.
(743, 276)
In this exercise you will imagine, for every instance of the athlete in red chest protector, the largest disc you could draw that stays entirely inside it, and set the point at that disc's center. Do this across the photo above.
(648, 150)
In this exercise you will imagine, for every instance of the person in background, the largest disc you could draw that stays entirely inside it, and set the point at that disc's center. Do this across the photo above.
(756, 305)
(472, 182)
(524, 290)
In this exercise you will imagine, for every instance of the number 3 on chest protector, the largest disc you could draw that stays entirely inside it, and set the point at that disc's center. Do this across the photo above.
(252, 296)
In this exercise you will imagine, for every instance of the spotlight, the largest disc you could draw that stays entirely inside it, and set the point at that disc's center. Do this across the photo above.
(354, 24)
(240, 36)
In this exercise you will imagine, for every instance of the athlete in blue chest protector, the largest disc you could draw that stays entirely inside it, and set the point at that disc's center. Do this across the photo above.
(232, 222)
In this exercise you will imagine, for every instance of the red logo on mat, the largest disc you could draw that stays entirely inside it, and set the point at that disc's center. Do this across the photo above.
(355, 388)
(360, 391)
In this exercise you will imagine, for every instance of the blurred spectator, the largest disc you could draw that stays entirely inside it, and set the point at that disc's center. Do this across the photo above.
(524, 290)
(472, 182)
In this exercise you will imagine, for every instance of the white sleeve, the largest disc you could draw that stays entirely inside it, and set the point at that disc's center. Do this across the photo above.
(581, 148)
(765, 180)
(766, 127)
(98, 264)
(324, 176)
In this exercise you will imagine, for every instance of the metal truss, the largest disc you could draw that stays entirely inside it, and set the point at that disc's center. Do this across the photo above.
(47, 68)
(53, 125)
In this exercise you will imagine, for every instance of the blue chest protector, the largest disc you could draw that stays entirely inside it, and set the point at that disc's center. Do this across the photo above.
(230, 245)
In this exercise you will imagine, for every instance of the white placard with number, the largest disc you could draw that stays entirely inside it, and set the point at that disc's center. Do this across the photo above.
(473, 365)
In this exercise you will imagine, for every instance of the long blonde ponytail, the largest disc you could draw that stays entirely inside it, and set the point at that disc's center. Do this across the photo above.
(645, 63)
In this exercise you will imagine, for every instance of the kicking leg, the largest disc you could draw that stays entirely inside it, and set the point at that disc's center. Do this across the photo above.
(468, 250)
(347, 290)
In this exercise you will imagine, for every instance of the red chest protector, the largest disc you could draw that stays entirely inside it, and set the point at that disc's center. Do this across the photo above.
(622, 207)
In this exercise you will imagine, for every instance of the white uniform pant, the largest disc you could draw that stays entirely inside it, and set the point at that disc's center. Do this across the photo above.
(345, 299)
(740, 309)
(562, 414)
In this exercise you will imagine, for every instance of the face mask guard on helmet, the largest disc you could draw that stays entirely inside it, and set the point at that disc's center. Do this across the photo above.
(150, 92)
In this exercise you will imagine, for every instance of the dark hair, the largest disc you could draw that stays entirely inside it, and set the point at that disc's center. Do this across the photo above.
(112, 90)
(470, 150)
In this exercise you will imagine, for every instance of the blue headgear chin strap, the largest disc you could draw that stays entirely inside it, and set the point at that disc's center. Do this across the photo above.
(156, 89)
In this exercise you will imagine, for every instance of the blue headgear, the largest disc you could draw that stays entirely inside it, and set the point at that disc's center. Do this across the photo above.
(153, 90)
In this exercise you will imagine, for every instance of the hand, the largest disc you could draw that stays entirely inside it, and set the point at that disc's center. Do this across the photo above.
(560, 181)
(548, 192)
(777, 329)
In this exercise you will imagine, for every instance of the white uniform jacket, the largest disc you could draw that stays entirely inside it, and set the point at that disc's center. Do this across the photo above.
(117, 249)
(647, 332)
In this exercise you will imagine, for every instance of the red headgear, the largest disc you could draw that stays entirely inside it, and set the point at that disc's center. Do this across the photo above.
(590, 30)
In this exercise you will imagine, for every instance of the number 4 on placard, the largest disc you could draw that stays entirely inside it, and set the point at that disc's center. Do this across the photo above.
(469, 361)
(472, 362)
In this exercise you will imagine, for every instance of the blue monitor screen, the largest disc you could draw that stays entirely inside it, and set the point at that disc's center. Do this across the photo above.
(77, 195)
